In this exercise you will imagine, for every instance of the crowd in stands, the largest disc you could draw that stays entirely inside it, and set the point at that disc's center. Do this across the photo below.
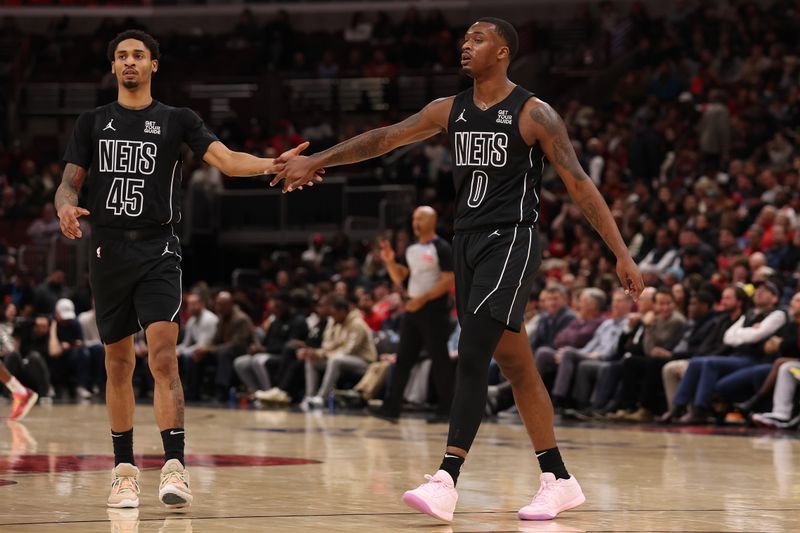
(696, 152)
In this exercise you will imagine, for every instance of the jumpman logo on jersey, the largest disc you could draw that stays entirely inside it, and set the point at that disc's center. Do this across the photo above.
(109, 126)
(461, 116)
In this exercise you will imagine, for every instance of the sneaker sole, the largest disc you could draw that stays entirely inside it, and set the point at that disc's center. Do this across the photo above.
(175, 499)
(28, 406)
(418, 504)
(125, 504)
(569, 505)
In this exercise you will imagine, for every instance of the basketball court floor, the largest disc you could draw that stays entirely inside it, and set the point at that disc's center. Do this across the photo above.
(291, 471)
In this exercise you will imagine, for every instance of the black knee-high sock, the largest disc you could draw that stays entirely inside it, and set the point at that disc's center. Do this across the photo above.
(479, 337)
(173, 440)
(550, 461)
(123, 446)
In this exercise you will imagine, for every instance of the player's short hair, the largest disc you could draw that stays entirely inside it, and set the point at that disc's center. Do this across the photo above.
(507, 31)
(149, 42)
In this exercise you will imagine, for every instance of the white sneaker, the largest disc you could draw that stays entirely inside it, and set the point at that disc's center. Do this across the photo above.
(124, 486)
(312, 402)
(771, 420)
(266, 395)
(83, 393)
(436, 498)
(174, 489)
(554, 496)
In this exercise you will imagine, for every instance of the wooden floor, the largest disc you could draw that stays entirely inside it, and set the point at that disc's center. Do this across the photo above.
(289, 471)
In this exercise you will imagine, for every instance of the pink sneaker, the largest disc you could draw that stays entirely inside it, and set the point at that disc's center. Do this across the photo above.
(22, 403)
(437, 497)
(554, 496)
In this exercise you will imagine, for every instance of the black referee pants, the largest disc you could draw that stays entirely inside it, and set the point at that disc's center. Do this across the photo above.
(428, 328)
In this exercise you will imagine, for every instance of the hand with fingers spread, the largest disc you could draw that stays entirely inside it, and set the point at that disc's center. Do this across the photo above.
(68, 217)
(630, 277)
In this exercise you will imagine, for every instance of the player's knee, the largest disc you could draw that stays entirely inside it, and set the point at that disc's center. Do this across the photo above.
(119, 368)
(515, 370)
(163, 363)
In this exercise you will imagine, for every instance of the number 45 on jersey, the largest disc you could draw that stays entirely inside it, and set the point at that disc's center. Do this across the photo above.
(126, 197)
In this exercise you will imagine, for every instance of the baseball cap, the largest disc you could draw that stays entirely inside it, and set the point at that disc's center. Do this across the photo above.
(65, 309)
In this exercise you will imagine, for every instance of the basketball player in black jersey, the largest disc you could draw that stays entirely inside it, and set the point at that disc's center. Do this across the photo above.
(129, 154)
(499, 136)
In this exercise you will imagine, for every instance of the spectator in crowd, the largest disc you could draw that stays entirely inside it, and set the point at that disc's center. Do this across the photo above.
(199, 329)
(783, 345)
(745, 342)
(68, 363)
(703, 335)
(289, 376)
(33, 339)
(575, 335)
(281, 327)
(602, 347)
(641, 374)
(50, 291)
(556, 315)
(661, 258)
(95, 352)
(347, 347)
(607, 375)
(232, 338)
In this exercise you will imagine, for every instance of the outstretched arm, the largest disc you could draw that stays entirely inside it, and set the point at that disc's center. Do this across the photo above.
(233, 163)
(541, 123)
(66, 201)
(432, 119)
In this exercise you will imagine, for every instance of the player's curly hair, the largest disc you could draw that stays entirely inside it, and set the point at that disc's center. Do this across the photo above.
(149, 42)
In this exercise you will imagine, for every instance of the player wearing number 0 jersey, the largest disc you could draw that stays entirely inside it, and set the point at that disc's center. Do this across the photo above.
(129, 155)
(498, 134)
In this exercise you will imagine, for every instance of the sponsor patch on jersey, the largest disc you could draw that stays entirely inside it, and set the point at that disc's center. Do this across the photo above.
(150, 126)
(503, 117)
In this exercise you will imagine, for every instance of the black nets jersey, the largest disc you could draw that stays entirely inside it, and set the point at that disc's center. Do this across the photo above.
(496, 174)
(134, 161)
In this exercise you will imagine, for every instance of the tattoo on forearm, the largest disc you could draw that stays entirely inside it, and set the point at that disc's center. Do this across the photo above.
(562, 151)
(71, 183)
(592, 214)
(176, 391)
(369, 144)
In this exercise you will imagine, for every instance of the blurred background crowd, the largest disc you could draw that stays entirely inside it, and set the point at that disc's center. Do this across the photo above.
(686, 118)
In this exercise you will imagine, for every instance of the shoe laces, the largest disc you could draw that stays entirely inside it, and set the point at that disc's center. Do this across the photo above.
(435, 484)
(122, 483)
(546, 494)
(176, 476)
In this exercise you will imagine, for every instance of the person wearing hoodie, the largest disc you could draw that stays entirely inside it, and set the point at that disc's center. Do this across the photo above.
(347, 347)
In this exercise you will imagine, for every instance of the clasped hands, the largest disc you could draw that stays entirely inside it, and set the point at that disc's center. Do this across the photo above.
(296, 170)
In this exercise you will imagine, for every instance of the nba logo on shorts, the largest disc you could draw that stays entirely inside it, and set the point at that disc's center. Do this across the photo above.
(99, 252)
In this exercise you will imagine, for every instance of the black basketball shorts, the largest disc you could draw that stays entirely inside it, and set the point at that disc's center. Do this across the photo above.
(494, 272)
(136, 280)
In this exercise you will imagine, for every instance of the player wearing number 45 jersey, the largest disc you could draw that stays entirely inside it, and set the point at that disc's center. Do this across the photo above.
(129, 154)
(499, 134)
